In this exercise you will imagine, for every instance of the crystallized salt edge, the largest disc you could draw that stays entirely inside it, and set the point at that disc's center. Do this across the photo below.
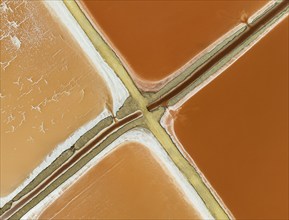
(146, 138)
(118, 91)
(54, 154)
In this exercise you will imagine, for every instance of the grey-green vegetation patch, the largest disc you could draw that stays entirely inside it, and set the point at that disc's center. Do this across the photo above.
(130, 105)
(259, 16)
(158, 113)
(93, 132)
(76, 167)
(5, 207)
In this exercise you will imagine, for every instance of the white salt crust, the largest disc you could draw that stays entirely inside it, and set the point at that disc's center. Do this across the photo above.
(55, 153)
(118, 91)
(146, 138)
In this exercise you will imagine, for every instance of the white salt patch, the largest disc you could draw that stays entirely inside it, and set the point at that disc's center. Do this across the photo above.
(118, 90)
(55, 153)
(146, 138)
(3, 7)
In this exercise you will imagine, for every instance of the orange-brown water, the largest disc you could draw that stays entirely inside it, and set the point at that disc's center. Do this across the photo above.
(236, 130)
(156, 38)
(129, 183)
(48, 89)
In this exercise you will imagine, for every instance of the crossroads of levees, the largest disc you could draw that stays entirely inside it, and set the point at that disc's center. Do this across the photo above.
(273, 212)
